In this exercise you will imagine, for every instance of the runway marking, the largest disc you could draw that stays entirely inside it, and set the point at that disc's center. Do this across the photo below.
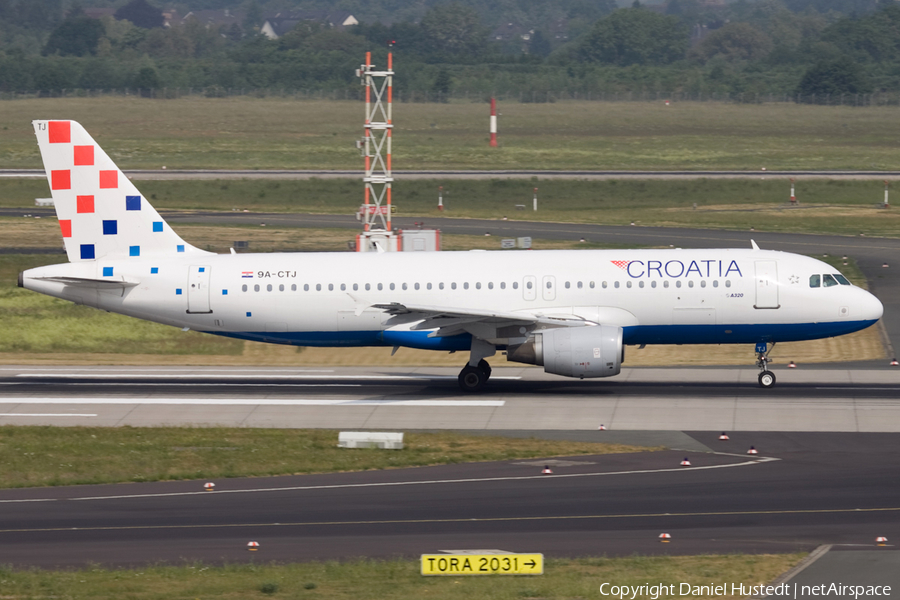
(198, 384)
(412, 483)
(173, 369)
(47, 415)
(250, 376)
(737, 513)
(252, 402)
(870, 388)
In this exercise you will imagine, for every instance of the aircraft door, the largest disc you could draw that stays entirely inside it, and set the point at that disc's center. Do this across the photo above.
(529, 287)
(549, 287)
(766, 284)
(198, 290)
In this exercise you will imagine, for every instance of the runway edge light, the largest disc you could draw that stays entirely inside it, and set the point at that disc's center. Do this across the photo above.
(209, 487)
(685, 462)
(752, 450)
(665, 538)
(252, 546)
(724, 437)
(881, 541)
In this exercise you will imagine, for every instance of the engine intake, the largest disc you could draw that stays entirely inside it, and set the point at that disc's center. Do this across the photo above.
(593, 351)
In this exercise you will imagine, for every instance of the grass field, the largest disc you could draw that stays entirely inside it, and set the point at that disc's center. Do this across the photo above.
(826, 206)
(391, 579)
(51, 456)
(245, 133)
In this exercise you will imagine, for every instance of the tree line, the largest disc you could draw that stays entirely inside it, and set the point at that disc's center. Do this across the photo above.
(787, 48)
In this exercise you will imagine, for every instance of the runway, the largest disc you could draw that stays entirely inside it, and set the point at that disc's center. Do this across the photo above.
(803, 490)
(518, 398)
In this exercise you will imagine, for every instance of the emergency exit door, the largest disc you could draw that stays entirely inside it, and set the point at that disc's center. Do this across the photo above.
(198, 290)
(766, 284)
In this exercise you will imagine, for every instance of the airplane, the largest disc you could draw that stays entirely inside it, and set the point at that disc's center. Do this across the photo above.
(570, 311)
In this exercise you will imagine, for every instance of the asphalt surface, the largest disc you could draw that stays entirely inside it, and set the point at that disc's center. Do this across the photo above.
(183, 174)
(837, 489)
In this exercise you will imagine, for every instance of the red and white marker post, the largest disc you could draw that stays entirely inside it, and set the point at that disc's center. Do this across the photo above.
(793, 196)
(493, 122)
(440, 197)
(886, 186)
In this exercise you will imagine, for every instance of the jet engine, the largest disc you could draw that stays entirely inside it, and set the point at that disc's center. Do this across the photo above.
(592, 351)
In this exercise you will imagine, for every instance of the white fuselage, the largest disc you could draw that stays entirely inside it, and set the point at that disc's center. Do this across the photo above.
(326, 299)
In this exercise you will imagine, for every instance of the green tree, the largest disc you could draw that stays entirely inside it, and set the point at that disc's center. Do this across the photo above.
(77, 35)
(735, 41)
(454, 29)
(146, 79)
(539, 45)
(634, 36)
(142, 14)
(835, 77)
(442, 84)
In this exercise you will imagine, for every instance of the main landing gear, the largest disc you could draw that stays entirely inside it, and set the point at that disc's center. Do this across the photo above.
(473, 379)
(475, 375)
(766, 377)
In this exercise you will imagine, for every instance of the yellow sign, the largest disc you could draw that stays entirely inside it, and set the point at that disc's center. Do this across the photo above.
(482, 564)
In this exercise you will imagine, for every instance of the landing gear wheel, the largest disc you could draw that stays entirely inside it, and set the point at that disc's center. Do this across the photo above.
(766, 379)
(484, 366)
(472, 379)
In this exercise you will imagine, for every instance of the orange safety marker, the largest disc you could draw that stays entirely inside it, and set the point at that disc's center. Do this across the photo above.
(665, 538)
(724, 437)
(252, 546)
(752, 450)
(881, 541)
(209, 486)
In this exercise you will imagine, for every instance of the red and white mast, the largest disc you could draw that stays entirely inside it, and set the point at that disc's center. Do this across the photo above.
(377, 144)
(493, 122)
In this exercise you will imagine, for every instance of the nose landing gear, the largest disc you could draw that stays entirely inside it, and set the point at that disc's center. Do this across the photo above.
(766, 377)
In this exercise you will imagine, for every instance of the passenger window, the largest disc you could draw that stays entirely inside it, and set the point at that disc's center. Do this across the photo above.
(403, 286)
(604, 284)
(368, 286)
(281, 287)
(269, 287)
(841, 279)
(293, 287)
(490, 285)
(653, 284)
(549, 284)
(343, 287)
(515, 285)
(579, 285)
(502, 285)
(428, 286)
(690, 284)
(616, 285)
(256, 288)
(715, 283)
(678, 284)
(477, 285)
(453, 286)
(466, 285)
(828, 280)
(568, 285)
(416, 286)
(392, 286)
(305, 287)
(640, 284)
(355, 287)
(441, 285)
(528, 285)
(727, 283)
(380, 286)
(244, 288)
(666, 283)
(330, 287)
(592, 285)
(628, 284)
(703, 283)
(815, 281)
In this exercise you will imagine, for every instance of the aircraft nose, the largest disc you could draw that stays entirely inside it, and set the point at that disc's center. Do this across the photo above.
(871, 308)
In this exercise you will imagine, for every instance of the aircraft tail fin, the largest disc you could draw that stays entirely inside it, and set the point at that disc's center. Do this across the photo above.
(101, 213)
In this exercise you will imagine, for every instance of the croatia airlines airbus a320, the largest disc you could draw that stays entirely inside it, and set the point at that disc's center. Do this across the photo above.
(570, 311)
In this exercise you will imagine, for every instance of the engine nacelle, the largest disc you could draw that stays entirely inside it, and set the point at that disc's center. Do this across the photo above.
(592, 351)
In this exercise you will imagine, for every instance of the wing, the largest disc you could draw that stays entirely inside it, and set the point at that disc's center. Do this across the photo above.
(496, 327)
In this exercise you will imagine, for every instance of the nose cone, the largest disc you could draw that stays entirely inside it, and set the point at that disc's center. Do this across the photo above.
(870, 307)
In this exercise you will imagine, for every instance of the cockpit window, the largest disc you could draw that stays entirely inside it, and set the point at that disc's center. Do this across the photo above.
(841, 279)
(815, 280)
(828, 280)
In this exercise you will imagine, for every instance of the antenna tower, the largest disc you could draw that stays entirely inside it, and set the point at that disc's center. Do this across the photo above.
(377, 144)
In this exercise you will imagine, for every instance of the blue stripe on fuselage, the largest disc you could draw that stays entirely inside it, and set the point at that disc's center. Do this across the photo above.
(639, 334)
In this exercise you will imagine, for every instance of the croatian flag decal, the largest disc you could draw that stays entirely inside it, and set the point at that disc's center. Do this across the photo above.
(247, 274)
(622, 264)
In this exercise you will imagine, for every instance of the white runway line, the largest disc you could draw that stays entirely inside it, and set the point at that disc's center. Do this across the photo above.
(252, 402)
(171, 370)
(47, 415)
(139, 375)
(757, 461)
(198, 384)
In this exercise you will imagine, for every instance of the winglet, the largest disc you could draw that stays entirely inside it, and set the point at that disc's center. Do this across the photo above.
(753, 244)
